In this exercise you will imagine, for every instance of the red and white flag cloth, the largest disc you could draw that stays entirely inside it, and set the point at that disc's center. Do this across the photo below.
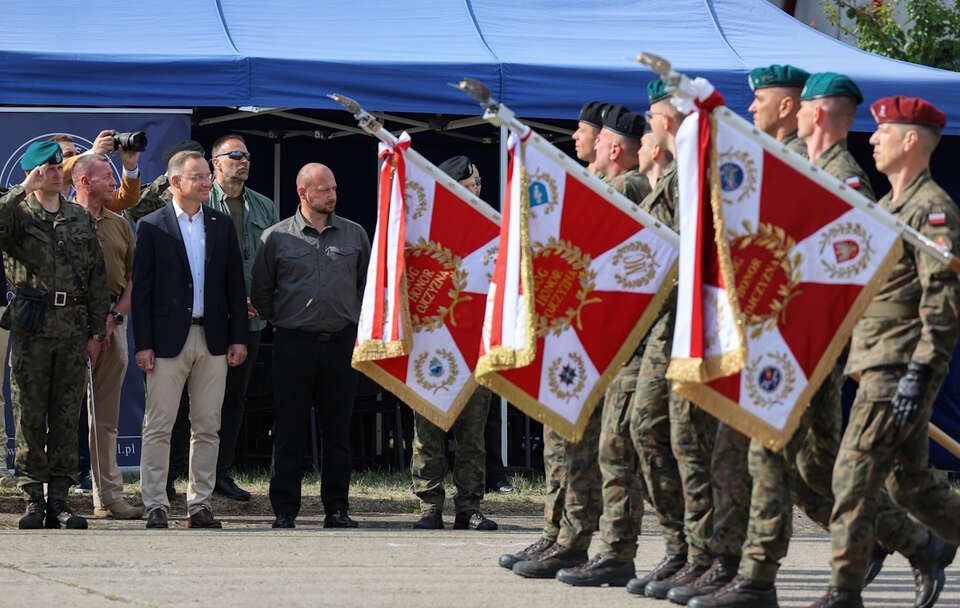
(577, 282)
(802, 263)
(450, 240)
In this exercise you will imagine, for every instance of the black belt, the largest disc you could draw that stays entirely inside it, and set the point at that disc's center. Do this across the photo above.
(196, 321)
(60, 299)
(349, 332)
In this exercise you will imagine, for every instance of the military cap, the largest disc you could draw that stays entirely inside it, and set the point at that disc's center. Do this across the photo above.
(830, 84)
(592, 113)
(458, 167)
(657, 90)
(910, 110)
(183, 146)
(777, 76)
(624, 122)
(39, 153)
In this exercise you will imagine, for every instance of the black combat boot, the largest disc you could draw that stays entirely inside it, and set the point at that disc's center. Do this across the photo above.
(507, 560)
(877, 557)
(839, 598)
(721, 572)
(430, 519)
(684, 576)
(599, 571)
(59, 514)
(739, 593)
(928, 563)
(33, 517)
(667, 567)
(550, 562)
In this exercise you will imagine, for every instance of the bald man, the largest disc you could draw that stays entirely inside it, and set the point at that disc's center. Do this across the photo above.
(308, 279)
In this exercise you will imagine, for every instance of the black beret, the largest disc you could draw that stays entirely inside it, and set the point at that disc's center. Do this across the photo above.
(624, 122)
(458, 167)
(183, 146)
(592, 113)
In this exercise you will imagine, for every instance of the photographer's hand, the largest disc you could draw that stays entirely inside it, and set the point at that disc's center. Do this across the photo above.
(103, 144)
(130, 159)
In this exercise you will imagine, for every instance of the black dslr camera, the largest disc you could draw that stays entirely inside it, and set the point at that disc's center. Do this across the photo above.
(131, 142)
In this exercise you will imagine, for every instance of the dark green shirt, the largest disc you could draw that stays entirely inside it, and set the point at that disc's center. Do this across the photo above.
(235, 205)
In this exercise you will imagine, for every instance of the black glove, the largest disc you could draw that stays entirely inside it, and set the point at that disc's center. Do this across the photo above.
(910, 391)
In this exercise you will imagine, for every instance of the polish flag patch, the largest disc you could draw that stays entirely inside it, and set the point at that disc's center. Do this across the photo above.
(853, 182)
(937, 219)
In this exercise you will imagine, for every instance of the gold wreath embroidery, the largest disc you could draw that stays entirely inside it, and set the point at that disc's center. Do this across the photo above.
(579, 262)
(775, 240)
(417, 210)
(743, 159)
(643, 263)
(865, 254)
(489, 256)
(545, 178)
(452, 371)
(579, 376)
(786, 384)
(458, 278)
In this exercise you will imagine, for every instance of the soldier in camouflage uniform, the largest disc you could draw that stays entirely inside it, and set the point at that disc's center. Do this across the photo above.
(571, 505)
(804, 465)
(899, 354)
(53, 260)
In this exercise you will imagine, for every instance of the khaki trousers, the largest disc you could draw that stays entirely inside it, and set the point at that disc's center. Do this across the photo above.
(205, 376)
(108, 376)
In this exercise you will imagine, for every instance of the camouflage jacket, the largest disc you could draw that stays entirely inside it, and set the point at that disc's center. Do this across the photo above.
(918, 282)
(632, 185)
(661, 203)
(32, 260)
(795, 144)
(838, 162)
(155, 195)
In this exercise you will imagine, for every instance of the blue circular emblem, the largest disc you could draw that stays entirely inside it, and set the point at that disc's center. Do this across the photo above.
(731, 176)
(538, 194)
(436, 368)
(769, 378)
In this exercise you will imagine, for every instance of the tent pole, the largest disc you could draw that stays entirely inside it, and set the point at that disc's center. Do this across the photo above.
(503, 191)
(276, 175)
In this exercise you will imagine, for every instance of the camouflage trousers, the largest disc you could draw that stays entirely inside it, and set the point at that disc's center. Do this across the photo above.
(636, 461)
(47, 386)
(572, 504)
(875, 452)
(712, 459)
(428, 465)
(800, 474)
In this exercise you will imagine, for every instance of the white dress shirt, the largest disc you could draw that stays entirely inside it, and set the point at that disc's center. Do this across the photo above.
(195, 241)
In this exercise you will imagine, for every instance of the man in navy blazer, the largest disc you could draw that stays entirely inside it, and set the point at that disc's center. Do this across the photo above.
(189, 325)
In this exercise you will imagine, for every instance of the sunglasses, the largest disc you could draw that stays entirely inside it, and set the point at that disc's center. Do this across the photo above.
(235, 155)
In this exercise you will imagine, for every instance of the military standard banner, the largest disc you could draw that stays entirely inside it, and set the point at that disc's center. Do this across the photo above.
(580, 275)
(806, 253)
(439, 279)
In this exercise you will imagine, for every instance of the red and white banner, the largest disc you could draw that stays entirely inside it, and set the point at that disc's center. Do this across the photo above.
(577, 282)
(450, 241)
(803, 259)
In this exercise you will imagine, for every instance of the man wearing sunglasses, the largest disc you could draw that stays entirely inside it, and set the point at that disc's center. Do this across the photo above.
(252, 213)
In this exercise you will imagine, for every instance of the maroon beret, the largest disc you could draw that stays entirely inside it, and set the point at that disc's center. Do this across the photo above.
(912, 110)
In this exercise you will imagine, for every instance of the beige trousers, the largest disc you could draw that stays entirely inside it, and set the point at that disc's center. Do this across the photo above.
(206, 377)
(108, 376)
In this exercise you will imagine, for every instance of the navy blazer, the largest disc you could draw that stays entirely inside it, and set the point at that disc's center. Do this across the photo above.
(162, 297)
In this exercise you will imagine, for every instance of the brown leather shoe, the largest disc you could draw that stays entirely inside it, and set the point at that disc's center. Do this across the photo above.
(684, 576)
(157, 519)
(721, 572)
(839, 598)
(203, 519)
(507, 560)
(119, 510)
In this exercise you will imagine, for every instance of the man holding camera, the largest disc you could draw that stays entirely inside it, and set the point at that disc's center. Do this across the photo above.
(129, 145)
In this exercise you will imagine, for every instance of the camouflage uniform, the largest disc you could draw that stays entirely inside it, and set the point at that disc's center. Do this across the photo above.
(429, 461)
(795, 144)
(632, 185)
(576, 506)
(155, 195)
(913, 318)
(554, 472)
(635, 458)
(48, 367)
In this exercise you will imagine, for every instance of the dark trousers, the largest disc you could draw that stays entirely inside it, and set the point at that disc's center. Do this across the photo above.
(310, 368)
(491, 438)
(235, 405)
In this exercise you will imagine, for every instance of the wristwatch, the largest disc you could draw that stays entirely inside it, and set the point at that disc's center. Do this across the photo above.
(98, 337)
(116, 316)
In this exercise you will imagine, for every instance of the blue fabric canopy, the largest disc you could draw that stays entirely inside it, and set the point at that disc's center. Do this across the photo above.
(541, 57)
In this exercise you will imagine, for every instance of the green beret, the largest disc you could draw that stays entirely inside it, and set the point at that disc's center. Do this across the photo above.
(777, 76)
(39, 153)
(830, 84)
(657, 90)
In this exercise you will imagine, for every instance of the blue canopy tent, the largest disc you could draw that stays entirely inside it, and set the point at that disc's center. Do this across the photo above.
(541, 57)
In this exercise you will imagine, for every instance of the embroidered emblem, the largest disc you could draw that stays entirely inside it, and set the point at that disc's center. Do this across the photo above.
(415, 200)
(562, 282)
(771, 378)
(542, 192)
(638, 265)
(435, 283)
(849, 242)
(738, 175)
(567, 376)
(436, 372)
(937, 219)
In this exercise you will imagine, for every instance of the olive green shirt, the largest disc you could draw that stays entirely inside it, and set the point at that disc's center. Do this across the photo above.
(795, 144)
(661, 203)
(116, 240)
(632, 185)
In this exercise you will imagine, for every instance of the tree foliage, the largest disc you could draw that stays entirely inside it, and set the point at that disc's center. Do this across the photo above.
(930, 35)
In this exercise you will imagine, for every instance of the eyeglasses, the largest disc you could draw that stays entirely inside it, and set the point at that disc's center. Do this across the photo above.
(235, 155)
(199, 178)
(476, 182)
(649, 114)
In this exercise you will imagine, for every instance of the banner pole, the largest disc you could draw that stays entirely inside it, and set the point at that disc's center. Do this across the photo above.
(946, 441)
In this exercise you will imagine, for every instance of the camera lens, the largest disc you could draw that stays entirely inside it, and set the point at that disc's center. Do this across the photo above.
(131, 142)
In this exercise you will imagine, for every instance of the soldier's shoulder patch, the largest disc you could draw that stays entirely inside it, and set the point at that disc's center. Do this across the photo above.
(937, 218)
(853, 182)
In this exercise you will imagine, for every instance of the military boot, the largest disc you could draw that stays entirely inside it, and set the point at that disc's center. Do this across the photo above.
(550, 562)
(59, 514)
(33, 517)
(877, 557)
(667, 567)
(721, 572)
(684, 576)
(928, 564)
(839, 598)
(599, 571)
(430, 519)
(739, 593)
(507, 560)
